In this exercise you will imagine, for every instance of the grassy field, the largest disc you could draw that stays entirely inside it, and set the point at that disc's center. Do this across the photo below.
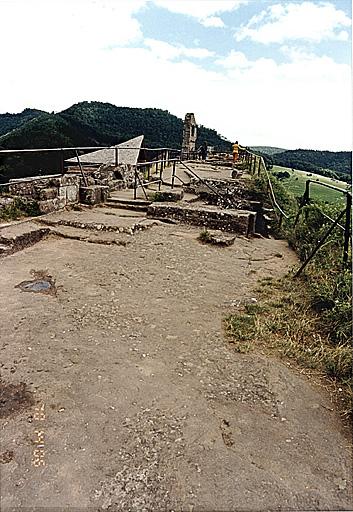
(296, 184)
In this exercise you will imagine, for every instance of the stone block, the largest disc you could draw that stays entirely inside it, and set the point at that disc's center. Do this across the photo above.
(47, 193)
(72, 194)
(69, 179)
(24, 188)
(168, 195)
(94, 194)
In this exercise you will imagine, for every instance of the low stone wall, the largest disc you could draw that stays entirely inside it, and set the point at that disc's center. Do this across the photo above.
(50, 192)
(234, 221)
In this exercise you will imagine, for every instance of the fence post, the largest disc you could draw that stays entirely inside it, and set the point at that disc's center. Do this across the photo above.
(321, 243)
(280, 220)
(259, 168)
(305, 200)
(135, 184)
(347, 229)
(173, 174)
(62, 166)
(160, 177)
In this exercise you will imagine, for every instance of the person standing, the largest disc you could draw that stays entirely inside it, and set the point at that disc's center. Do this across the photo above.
(203, 150)
(235, 151)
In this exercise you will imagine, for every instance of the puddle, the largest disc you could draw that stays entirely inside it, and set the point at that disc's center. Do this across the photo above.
(35, 286)
(42, 283)
(14, 398)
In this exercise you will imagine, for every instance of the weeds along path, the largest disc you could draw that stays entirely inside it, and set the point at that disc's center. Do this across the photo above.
(136, 401)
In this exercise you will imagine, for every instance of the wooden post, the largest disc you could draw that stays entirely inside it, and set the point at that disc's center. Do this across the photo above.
(347, 229)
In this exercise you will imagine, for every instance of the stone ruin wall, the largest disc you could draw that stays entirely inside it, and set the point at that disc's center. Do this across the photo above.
(50, 192)
(189, 135)
(55, 192)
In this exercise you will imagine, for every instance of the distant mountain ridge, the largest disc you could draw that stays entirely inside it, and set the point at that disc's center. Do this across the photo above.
(88, 124)
(92, 123)
(335, 164)
(96, 123)
(268, 150)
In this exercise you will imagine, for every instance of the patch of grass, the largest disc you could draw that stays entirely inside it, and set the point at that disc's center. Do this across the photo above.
(205, 237)
(286, 323)
(19, 208)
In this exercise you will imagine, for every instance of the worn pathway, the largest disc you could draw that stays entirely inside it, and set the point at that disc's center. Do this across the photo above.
(139, 401)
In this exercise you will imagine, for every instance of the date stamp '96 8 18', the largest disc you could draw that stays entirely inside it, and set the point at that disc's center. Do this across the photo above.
(38, 458)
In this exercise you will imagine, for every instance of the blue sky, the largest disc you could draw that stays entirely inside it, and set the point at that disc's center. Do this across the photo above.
(264, 72)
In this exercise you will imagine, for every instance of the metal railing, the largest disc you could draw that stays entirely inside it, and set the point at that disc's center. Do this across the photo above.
(62, 163)
(256, 163)
(144, 168)
(345, 214)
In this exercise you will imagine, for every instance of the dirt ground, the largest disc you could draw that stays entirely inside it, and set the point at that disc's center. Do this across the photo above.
(134, 400)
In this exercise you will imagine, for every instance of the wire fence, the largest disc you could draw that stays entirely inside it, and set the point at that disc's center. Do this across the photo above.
(257, 166)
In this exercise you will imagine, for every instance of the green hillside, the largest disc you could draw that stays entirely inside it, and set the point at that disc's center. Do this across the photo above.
(332, 164)
(267, 150)
(92, 124)
(9, 122)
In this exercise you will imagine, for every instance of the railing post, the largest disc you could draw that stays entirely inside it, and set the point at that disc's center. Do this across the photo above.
(347, 229)
(280, 220)
(173, 174)
(62, 166)
(160, 176)
(135, 184)
(259, 168)
(305, 200)
(321, 243)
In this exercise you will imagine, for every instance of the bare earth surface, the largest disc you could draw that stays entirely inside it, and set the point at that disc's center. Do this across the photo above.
(140, 403)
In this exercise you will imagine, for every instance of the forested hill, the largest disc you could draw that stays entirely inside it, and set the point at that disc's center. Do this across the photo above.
(9, 122)
(88, 124)
(95, 123)
(336, 164)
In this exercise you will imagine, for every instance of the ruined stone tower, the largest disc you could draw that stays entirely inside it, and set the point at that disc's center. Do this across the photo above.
(189, 136)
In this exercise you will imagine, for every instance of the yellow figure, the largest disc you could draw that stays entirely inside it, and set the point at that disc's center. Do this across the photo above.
(235, 151)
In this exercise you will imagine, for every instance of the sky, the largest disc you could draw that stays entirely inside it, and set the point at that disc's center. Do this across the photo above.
(264, 72)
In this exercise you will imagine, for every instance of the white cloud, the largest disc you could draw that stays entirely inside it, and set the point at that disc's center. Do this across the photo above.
(234, 60)
(203, 10)
(293, 21)
(67, 26)
(213, 21)
(167, 51)
(303, 103)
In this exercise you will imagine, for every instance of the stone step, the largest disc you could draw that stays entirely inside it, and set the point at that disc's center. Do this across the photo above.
(91, 236)
(127, 206)
(128, 226)
(17, 236)
(208, 216)
(127, 201)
